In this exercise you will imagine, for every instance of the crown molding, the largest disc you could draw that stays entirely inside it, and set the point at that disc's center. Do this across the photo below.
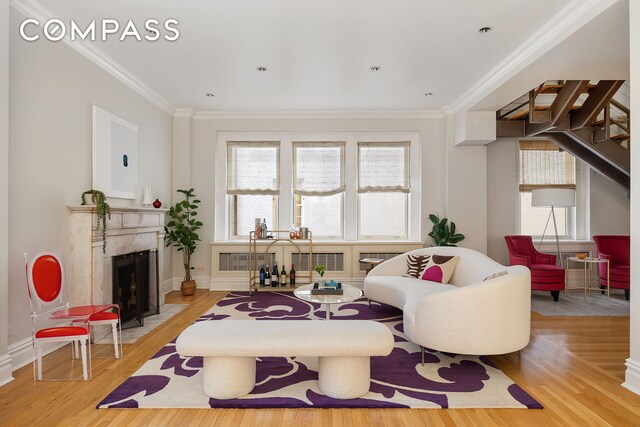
(184, 113)
(566, 22)
(317, 115)
(33, 9)
(446, 111)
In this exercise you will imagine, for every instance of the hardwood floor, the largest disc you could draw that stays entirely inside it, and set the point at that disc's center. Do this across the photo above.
(573, 366)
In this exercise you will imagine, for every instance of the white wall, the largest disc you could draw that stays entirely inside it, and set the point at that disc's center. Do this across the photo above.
(204, 136)
(5, 360)
(632, 375)
(502, 196)
(52, 91)
(609, 205)
(466, 189)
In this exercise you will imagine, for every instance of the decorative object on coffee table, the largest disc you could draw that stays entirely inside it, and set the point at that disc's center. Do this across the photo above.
(330, 288)
(320, 269)
(181, 233)
(349, 293)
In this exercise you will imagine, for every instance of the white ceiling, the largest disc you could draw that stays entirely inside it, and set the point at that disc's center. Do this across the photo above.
(318, 52)
(597, 51)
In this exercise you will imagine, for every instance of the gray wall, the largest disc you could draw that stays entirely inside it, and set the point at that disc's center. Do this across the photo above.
(52, 91)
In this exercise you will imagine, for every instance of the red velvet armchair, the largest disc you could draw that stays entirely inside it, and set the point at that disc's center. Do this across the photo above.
(616, 250)
(545, 274)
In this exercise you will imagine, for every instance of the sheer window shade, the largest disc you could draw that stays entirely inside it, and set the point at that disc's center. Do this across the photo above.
(318, 168)
(543, 165)
(253, 168)
(383, 167)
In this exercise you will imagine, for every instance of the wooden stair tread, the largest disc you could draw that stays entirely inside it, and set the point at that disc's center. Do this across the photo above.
(620, 137)
(523, 113)
(556, 88)
(617, 121)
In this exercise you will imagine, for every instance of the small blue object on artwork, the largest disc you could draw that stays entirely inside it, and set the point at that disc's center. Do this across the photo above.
(125, 160)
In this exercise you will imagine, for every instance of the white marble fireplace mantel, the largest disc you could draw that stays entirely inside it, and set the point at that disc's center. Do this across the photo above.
(130, 229)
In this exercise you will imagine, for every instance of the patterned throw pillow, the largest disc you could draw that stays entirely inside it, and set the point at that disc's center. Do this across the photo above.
(494, 275)
(416, 264)
(440, 268)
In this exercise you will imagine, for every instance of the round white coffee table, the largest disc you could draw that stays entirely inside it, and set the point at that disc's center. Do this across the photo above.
(350, 293)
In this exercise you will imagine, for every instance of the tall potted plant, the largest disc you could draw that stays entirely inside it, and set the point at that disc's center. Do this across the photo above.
(181, 233)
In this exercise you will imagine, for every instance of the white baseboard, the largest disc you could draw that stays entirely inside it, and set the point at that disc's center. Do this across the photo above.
(228, 284)
(22, 352)
(5, 369)
(632, 376)
(165, 288)
(241, 284)
(173, 284)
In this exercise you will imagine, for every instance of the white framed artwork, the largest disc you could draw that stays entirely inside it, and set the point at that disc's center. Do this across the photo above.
(114, 155)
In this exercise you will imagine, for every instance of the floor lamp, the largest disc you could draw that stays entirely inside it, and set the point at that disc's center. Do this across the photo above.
(553, 197)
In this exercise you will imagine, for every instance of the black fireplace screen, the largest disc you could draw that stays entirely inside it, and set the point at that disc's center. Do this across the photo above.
(135, 286)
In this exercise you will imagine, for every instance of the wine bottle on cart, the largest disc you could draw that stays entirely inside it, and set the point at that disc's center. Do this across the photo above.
(267, 276)
(262, 274)
(274, 277)
(292, 277)
(283, 277)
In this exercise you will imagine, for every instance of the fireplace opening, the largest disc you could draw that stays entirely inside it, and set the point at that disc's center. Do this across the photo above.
(136, 287)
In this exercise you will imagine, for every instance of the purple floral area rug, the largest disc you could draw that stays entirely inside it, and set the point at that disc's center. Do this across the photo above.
(397, 381)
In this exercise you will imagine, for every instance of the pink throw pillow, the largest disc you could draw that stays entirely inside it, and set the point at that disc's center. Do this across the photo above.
(440, 268)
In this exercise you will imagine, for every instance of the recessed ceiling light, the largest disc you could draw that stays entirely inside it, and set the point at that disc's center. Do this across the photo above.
(428, 94)
(261, 69)
(484, 30)
(375, 68)
(209, 95)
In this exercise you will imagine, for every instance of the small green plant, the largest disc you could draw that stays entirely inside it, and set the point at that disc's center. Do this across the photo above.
(320, 269)
(181, 230)
(103, 211)
(442, 233)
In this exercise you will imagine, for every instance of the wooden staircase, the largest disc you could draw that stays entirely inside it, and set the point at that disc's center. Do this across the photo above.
(581, 117)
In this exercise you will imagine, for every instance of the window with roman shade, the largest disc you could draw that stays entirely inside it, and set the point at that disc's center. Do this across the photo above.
(543, 165)
(318, 187)
(383, 188)
(253, 184)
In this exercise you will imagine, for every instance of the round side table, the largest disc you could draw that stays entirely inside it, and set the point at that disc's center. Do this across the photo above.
(588, 262)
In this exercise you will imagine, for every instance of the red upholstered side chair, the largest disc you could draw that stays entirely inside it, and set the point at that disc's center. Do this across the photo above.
(47, 295)
(545, 274)
(617, 250)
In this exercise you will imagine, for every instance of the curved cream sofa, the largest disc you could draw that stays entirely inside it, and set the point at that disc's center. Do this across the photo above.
(466, 316)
